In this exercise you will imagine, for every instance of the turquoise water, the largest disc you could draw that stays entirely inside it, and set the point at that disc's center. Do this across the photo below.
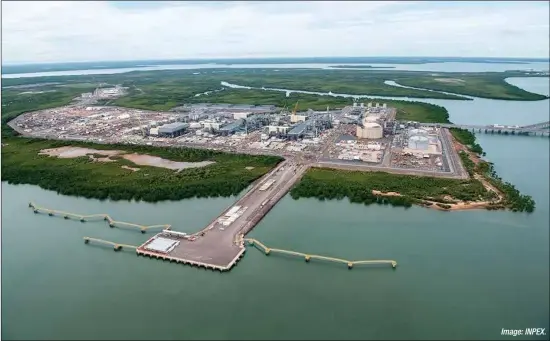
(460, 274)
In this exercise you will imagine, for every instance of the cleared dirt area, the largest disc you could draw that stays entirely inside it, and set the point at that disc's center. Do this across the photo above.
(138, 159)
(155, 161)
(72, 152)
(450, 80)
(460, 205)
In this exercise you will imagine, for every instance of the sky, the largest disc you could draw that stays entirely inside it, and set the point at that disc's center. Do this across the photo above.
(77, 31)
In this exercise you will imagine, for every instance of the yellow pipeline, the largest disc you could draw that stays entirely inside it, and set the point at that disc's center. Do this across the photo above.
(307, 257)
(104, 216)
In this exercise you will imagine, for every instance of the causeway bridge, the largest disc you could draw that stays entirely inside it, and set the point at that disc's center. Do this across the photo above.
(539, 129)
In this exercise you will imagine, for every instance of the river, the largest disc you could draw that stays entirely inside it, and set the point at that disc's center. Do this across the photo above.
(460, 274)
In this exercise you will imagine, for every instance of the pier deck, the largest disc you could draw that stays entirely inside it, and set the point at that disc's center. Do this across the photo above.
(220, 246)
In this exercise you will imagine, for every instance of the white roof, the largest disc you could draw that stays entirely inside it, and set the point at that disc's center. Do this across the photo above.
(372, 125)
(161, 244)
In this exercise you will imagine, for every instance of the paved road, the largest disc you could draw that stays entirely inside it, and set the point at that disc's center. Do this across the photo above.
(371, 168)
(455, 164)
(217, 246)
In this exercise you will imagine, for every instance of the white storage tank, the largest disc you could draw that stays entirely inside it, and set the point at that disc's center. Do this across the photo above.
(370, 131)
(419, 142)
(195, 125)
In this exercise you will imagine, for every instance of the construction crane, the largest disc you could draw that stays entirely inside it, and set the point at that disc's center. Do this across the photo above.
(295, 109)
(293, 117)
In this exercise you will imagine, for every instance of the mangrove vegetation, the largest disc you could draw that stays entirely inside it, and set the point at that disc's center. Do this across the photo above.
(358, 187)
(81, 176)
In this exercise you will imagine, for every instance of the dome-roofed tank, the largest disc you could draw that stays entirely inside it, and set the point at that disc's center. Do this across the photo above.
(370, 130)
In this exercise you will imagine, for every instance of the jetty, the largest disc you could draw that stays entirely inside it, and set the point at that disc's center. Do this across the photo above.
(222, 243)
(94, 217)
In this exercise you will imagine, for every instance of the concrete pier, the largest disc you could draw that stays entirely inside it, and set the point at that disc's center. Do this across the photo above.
(220, 246)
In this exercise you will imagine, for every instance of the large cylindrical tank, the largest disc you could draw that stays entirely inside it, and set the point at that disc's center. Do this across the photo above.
(370, 131)
(419, 142)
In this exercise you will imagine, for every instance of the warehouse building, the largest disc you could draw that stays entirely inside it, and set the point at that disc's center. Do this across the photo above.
(172, 129)
(232, 127)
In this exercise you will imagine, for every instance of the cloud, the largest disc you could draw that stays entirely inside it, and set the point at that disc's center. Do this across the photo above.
(90, 31)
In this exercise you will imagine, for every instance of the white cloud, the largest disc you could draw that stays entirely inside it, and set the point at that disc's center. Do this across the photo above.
(87, 31)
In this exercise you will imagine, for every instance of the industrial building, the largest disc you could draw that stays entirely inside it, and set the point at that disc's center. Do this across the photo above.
(232, 127)
(277, 130)
(211, 125)
(239, 115)
(317, 122)
(298, 118)
(172, 129)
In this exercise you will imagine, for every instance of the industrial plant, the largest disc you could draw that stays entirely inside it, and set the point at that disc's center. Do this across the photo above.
(360, 134)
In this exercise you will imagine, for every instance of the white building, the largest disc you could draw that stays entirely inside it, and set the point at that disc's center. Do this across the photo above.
(239, 115)
(211, 125)
(278, 129)
(297, 118)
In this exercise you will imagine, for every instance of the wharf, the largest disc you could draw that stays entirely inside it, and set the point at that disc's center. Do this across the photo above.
(220, 245)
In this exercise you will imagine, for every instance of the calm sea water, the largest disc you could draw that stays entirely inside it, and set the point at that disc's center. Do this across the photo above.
(460, 274)
(436, 67)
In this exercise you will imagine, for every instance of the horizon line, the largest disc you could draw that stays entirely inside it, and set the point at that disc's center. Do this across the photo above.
(543, 59)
